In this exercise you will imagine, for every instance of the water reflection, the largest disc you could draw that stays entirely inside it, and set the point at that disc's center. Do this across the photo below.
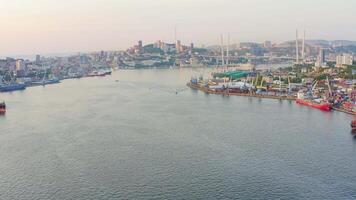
(126, 138)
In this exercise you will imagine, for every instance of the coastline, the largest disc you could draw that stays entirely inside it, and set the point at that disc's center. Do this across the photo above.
(290, 98)
(207, 91)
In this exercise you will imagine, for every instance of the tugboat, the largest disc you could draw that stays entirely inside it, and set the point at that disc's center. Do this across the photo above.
(353, 124)
(2, 108)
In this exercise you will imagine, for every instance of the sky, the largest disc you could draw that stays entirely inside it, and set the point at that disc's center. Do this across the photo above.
(52, 26)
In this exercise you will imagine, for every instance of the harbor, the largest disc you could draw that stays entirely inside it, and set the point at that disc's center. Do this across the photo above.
(137, 134)
(16, 84)
(318, 94)
(178, 99)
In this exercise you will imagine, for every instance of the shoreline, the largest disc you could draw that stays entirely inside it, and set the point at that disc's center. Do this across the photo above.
(289, 98)
(207, 91)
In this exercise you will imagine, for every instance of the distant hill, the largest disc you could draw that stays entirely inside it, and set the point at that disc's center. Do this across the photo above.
(291, 43)
(343, 43)
(218, 47)
(324, 43)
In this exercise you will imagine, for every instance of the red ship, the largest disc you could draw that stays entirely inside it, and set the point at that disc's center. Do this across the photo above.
(2, 108)
(353, 124)
(311, 103)
(315, 103)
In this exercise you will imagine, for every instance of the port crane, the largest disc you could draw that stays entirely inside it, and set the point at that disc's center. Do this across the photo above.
(12, 78)
(261, 84)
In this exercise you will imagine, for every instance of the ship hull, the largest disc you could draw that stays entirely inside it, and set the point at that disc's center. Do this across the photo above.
(43, 83)
(54, 81)
(10, 88)
(353, 125)
(324, 107)
(2, 108)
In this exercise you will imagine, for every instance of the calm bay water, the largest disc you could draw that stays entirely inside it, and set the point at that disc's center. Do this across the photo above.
(130, 136)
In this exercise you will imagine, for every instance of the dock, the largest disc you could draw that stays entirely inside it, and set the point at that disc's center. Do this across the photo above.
(226, 93)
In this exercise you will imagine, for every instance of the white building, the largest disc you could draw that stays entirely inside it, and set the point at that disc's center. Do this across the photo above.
(343, 60)
(20, 65)
(321, 61)
(179, 47)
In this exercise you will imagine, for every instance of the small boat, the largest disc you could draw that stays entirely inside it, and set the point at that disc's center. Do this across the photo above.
(101, 73)
(52, 81)
(2, 108)
(96, 73)
(353, 124)
(107, 72)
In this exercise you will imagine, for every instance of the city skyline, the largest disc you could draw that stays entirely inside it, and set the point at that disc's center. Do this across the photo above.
(44, 27)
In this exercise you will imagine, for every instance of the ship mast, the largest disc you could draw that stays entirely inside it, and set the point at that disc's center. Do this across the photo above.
(222, 50)
(289, 88)
(303, 48)
(45, 73)
(328, 83)
(297, 47)
(227, 50)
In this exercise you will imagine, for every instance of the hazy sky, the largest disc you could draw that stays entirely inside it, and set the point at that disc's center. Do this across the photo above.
(49, 26)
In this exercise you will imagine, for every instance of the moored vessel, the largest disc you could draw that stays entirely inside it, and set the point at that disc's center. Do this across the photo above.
(107, 72)
(312, 102)
(45, 82)
(2, 108)
(96, 73)
(12, 87)
(353, 124)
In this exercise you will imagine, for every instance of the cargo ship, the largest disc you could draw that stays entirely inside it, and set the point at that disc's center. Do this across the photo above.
(12, 87)
(45, 82)
(2, 108)
(312, 102)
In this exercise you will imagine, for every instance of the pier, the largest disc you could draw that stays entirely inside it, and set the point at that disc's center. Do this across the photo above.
(225, 92)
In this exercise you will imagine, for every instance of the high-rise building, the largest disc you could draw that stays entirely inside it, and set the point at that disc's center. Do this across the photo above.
(178, 46)
(321, 61)
(20, 65)
(38, 59)
(160, 44)
(344, 59)
(267, 44)
(322, 55)
(191, 48)
(140, 44)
